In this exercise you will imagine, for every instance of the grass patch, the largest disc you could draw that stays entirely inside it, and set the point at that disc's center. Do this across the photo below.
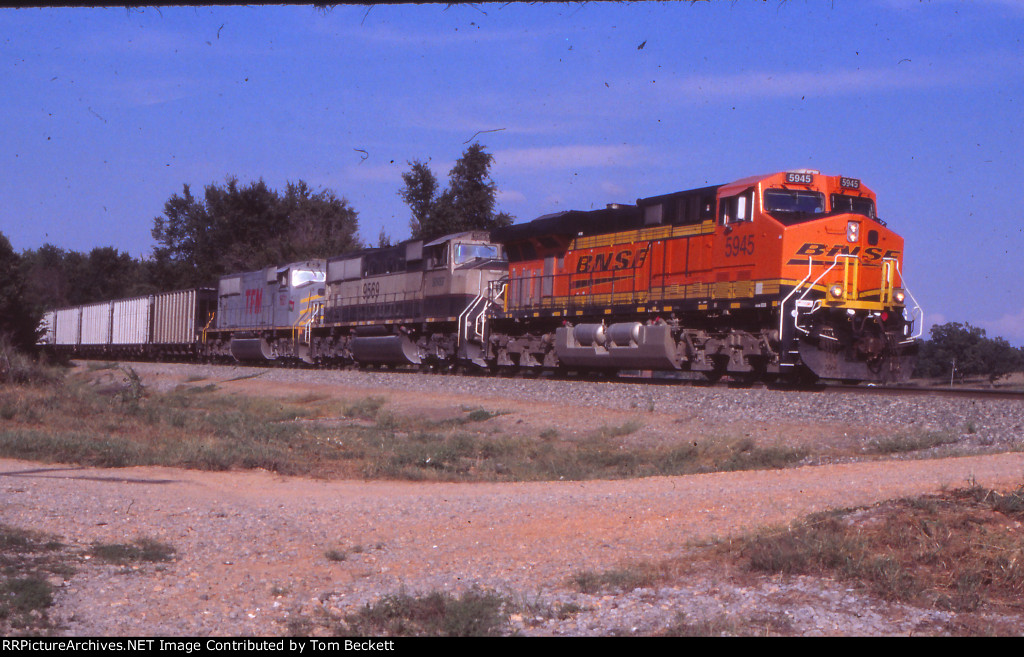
(481, 415)
(365, 409)
(140, 550)
(746, 455)
(33, 565)
(474, 613)
(905, 443)
(336, 555)
(960, 550)
(125, 425)
(643, 574)
(108, 418)
(21, 369)
(29, 561)
(624, 429)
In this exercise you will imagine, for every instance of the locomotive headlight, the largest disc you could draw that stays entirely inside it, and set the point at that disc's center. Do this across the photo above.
(852, 231)
(898, 296)
(836, 291)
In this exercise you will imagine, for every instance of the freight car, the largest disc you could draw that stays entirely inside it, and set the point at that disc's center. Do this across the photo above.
(165, 325)
(787, 275)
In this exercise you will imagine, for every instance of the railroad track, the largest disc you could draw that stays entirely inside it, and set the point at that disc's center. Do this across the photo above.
(988, 393)
(671, 379)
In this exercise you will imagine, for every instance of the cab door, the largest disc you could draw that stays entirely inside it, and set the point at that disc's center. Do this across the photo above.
(735, 243)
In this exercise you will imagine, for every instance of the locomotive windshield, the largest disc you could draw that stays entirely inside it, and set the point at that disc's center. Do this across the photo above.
(466, 252)
(303, 276)
(854, 204)
(791, 206)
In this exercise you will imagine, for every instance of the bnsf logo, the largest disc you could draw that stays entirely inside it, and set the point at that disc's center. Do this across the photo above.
(625, 259)
(869, 254)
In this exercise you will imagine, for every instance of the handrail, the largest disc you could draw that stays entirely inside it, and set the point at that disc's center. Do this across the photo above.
(782, 306)
(492, 299)
(207, 327)
(917, 307)
(886, 293)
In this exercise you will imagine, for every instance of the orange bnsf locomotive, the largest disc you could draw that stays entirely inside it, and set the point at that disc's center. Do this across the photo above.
(790, 275)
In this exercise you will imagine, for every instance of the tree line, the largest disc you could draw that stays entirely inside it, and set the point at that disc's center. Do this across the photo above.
(958, 351)
(235, 227)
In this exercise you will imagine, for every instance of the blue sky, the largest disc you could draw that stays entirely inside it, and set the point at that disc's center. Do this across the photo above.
(108, 112)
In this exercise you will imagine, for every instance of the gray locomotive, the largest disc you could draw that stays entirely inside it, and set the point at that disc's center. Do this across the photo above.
(416, 303)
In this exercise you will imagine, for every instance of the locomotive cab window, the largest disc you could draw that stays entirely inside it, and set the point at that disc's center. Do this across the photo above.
(302, 277)
(437, 256)
(853, 204)
(792, 206)
(735, 209)
(466, 252)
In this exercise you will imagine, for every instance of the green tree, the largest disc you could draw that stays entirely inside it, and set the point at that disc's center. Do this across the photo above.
(963, 351)
(319, 225)
(183, 235)
(18, 318)
(45, 272)
(55, 278)
(237, 228)
(419, 194)
(107, 273)
(467, 204)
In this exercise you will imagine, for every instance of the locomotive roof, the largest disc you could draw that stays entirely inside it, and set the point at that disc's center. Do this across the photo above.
(654, 200)
(467, 235)
(313, 263)
(610, 219)
(400, 246)
(572, 222)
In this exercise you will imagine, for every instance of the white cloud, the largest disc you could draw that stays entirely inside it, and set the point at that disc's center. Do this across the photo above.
(913, 72)
(614, 189)
(511, 196)
(1010, 326)
(771, 84)
(1015, 6)
(154, 91)
(931, 320)
(457, 25)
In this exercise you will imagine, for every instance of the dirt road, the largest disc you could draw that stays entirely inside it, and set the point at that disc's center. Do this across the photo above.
(251, 545)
